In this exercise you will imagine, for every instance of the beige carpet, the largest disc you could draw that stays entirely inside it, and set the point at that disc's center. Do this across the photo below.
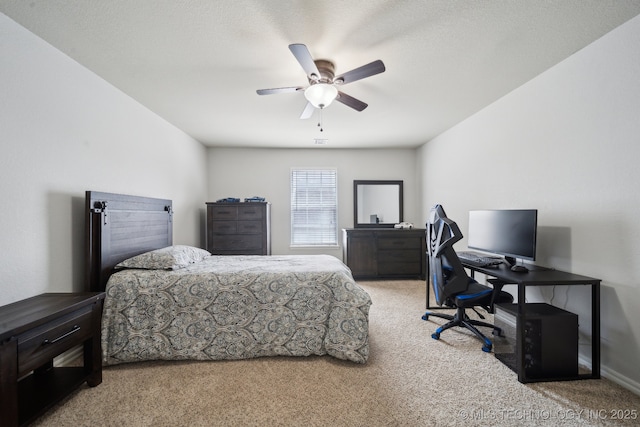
(410, 380)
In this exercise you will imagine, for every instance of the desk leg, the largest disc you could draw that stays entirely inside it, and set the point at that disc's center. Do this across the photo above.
(520, 326)
(595, 330)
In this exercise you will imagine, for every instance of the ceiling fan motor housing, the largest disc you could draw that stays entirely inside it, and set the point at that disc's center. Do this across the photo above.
(327, 71)
(322, 89)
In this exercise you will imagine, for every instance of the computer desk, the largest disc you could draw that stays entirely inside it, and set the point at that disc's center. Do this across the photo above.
(540, 276)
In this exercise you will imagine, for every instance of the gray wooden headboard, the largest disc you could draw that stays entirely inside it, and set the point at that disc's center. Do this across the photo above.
(119, 226)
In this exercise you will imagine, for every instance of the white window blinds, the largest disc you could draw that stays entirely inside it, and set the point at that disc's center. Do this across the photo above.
(314, 205)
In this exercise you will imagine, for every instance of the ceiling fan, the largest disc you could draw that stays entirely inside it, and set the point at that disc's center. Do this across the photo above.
(323, 83)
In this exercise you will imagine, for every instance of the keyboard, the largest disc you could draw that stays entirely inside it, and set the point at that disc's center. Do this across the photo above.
(479, 260)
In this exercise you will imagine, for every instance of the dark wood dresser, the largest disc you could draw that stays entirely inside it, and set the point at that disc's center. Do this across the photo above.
(239, 228)
(32, 333)
(385, 253)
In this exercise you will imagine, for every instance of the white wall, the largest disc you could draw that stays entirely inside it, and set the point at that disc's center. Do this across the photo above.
(266, 172)
(567, 143)
(63, 131)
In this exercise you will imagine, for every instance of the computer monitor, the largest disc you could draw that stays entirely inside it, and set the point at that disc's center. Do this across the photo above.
(511, 233)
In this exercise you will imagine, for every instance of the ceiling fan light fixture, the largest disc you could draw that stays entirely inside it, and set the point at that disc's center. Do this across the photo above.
(321, 95)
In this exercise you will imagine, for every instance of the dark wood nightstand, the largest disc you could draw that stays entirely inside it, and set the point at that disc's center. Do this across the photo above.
(32, 333)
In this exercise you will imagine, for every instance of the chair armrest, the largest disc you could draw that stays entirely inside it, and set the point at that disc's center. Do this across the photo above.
(497, 291)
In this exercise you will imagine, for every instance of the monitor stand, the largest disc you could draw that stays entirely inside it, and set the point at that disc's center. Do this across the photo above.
(513, 263)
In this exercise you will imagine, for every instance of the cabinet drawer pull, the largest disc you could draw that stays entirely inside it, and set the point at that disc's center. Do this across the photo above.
(75, 329)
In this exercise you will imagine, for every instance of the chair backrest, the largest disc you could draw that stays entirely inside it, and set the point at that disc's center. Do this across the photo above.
(447, 276)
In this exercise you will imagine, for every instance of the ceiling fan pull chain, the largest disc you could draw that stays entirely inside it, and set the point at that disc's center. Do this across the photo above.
(320, 122)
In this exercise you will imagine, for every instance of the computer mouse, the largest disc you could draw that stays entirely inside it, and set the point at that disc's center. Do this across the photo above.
(519, 269)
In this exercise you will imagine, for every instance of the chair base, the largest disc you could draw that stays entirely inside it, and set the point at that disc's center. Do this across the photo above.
(461, 319)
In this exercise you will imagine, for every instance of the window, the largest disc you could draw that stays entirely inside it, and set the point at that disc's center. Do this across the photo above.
(314, 203)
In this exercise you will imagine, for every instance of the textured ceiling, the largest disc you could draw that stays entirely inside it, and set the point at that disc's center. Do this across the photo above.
(198, 63)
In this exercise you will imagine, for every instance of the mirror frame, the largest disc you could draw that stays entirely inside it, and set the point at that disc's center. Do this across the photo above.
(356, 183)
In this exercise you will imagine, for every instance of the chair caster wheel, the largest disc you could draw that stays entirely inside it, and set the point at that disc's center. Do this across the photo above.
(435, 336)
(425, 317)
(486, 348)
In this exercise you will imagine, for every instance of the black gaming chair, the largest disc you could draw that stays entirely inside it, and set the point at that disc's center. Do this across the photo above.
(451, 284)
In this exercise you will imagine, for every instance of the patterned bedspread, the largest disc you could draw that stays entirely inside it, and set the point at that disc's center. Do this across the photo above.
(236, 307)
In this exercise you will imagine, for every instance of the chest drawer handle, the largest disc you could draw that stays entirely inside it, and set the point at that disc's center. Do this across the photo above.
(75, 329)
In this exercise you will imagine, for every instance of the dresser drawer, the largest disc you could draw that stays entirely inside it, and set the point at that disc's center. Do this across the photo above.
(41, 344)
(236, 227)
(249, 227)
(400, 255)
(409, 242)
(250, 212)
(237, 242)
(402, 262)
(224, 227)
(222, 212)
(402, 268)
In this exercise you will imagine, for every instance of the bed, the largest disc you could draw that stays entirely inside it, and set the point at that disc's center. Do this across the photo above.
(176, 302)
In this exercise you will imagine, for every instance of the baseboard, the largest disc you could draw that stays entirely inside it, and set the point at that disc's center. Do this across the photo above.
(621, 380)
(613, 376)
(69, 357)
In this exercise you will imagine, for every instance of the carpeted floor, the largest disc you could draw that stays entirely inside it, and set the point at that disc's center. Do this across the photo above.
(409, 380)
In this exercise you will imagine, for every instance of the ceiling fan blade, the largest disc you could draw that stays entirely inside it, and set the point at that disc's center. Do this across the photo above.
(371, 69)
(350, 101)
(278, 90)
(305, 59)
(308, 111)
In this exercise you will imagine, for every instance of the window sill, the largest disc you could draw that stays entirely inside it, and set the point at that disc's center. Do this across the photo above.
(314, 246)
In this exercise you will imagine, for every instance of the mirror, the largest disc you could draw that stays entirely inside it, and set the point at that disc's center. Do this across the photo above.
(377, 203)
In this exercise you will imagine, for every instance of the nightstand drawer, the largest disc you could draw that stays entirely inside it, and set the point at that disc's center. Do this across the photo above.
(41, 344)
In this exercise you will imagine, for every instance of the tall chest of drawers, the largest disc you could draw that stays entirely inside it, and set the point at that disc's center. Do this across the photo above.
(239, 228)
(385, 253)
